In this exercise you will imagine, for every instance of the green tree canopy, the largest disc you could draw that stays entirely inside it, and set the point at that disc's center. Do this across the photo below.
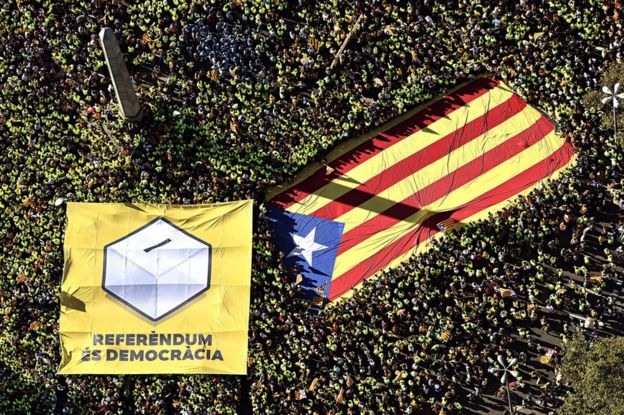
(596, 374)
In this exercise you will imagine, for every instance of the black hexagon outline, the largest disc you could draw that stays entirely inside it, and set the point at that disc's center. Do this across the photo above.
(121, 300)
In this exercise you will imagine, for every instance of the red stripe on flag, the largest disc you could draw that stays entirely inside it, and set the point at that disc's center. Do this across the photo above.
(457, 178)
(380, 142)
(427, 229)
(421, 159)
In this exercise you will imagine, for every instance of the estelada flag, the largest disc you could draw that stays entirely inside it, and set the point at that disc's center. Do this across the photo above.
(376, 199)
(446, 224)
(156, 288)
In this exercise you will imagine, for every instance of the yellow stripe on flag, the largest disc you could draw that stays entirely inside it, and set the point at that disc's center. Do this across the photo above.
(494, 208)
(349, 145)
(423, 247)
(434, 171)
(401, 150)
(464, 194)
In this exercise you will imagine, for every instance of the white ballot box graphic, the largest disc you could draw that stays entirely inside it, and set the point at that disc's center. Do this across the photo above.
(157, 269)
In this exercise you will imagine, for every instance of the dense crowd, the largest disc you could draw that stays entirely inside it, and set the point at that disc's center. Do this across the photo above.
(427, 332)
(240, 96)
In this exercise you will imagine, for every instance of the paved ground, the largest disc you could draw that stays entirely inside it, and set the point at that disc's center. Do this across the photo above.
(490, 404)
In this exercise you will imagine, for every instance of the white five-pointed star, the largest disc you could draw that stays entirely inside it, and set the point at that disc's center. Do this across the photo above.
(305, 246)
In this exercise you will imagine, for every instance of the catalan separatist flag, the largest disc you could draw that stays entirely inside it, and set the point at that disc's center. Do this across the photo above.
(379, 198)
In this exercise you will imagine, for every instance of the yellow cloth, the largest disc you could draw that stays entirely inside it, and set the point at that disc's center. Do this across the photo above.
(156, 288)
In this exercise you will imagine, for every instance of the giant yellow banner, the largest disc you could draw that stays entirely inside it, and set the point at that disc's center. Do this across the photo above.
(156, 288)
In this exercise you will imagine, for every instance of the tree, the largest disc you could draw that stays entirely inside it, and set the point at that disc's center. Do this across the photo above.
(596, 374)
(613, 73)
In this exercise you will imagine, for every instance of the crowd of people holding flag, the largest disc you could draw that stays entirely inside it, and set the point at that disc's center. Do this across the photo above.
(419, 337)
